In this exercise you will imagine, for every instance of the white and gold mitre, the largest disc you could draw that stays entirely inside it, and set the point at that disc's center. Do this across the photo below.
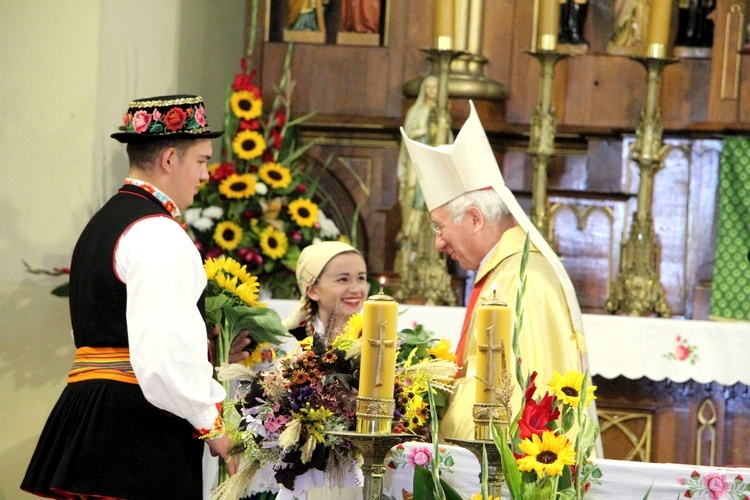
(448, 171)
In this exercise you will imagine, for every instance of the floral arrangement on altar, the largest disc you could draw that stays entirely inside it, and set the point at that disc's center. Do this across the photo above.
(284, 414)
(538, 458)
(257, 206)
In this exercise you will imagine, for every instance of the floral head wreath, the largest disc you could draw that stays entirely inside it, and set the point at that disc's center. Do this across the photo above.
(165, 117)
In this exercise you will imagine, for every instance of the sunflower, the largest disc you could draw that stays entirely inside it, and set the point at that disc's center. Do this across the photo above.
(568, 388)
(275, 175)
(245, 105)
(248, 144)
(273, 242)
(353, 327)
(304, 212)
(234, 268)
(238, 186)
(548, 454)
(248, 292)
(227, 235)
(442, 350)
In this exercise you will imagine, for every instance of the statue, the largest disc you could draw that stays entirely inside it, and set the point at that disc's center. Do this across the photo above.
(572, 21)
(694, 29)
(423, 273)
(630, 25)
(418, 125)
(305, 15)
(360, 16)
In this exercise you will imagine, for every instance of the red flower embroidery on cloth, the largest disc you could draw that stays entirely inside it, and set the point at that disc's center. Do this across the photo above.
(175, 119)
(683, 351)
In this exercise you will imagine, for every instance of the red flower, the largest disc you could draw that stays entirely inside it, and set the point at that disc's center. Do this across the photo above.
(214, 253)
(175, 119)
(537, 416)
(276, 136)
(249, 125)
(301, 188)
(532, 387)
(268, 156)
(242, 82)
(280, 119)
(222, 172)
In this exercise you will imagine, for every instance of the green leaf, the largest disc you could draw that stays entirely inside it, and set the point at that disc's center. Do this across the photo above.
(263, 323)
(423, 486)
(510, 468)
(62, 290)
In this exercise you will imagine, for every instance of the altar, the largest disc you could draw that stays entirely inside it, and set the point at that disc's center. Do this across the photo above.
(669, 391)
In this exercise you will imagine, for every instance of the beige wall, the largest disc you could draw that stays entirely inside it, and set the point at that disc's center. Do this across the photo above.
(69, 69)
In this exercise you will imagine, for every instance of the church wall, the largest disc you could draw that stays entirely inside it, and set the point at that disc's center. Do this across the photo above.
(70, 67)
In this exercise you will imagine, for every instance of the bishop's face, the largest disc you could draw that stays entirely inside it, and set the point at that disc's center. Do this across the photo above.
(458, 241)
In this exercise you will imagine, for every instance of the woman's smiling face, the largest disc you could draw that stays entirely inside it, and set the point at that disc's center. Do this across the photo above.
(341, 288)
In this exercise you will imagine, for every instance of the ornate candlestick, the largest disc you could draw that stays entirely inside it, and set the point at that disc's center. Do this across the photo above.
(638, 289)
(495, 476)
(374, 448)
(542, 137)
(441, 66)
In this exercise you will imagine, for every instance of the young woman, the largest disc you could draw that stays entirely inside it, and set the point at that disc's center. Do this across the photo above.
(332, 279)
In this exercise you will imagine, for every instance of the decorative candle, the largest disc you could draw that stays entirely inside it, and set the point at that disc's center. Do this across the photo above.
(492, 324)
(547, 23)
(378, 359)
(659, 20)
(443, 24)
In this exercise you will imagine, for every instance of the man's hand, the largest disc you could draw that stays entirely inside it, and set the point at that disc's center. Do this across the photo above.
(237, 350)
(221, 447)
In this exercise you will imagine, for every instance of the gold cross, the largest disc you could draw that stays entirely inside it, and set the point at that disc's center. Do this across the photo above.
(491, 350)
(380, 343)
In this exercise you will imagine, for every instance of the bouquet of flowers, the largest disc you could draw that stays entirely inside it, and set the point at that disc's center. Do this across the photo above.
(284, 415)
(232, 305)
(258, 205)
(538, 458)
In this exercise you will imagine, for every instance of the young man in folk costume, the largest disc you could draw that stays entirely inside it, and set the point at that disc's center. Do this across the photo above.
(479, 223)
(140, 393)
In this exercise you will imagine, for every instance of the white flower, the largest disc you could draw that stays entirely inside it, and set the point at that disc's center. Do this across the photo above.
(328, 229)
(214, 212)
(191, 215)
(203, 224)
(316, 240)
(261, 188)
(255, 426)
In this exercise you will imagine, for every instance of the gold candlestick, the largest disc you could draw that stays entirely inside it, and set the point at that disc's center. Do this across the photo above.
(542, 131)
(441, 59)
(638, 290)
(495, 476)
(374, 448)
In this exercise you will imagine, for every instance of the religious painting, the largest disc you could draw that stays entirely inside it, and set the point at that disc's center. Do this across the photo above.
(329, 22)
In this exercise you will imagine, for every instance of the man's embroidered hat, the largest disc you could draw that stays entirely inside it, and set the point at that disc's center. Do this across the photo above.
(165, 117)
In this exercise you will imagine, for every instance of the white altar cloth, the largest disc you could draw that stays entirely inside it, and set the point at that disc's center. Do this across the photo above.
(633, 347)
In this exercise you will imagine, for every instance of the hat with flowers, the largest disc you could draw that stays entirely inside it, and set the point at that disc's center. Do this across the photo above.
(165, 117)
